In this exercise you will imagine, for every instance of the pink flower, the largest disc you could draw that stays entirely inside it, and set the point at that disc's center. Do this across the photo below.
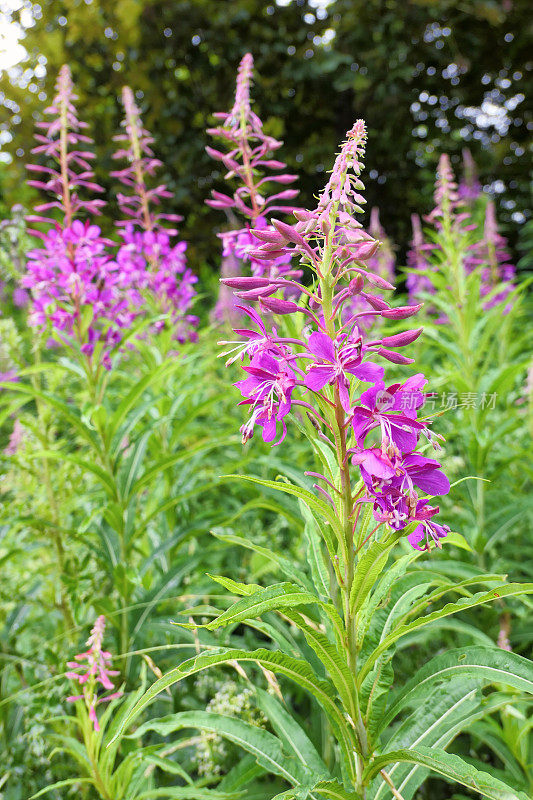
(91, 669)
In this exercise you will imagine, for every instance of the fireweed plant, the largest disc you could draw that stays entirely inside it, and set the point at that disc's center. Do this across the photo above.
(250, 163)
(111, 458)
(341, 620)
(147, 255)
(89, 299)
(479, 355)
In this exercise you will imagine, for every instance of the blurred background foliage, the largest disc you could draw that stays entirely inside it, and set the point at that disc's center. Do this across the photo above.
(427, 75)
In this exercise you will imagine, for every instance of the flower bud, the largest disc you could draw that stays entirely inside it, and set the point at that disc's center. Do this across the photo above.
(268, 236)
(401, 312)
(355, 286)
(255, 294)
(366, 250)
(265, 255)
(375, 279)
(284, 179)
(396, 358)
(304, 216)
(325, 226)
(402, 339)
(245, 282)
(376, 302)
(215, 154)
(288, 232)
(278, 306)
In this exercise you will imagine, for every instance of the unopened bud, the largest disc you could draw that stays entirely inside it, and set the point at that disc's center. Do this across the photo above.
(264, 254)
(245, 282)
(396, 358)
(355, 286)
(255, 294)
(401, 312)
(278, 306)
(288, 232)
(402, 339)
(268, 236)
(376, 302)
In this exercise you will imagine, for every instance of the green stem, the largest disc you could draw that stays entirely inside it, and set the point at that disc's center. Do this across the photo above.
(64, 599)
(345, 509)
(96, 393)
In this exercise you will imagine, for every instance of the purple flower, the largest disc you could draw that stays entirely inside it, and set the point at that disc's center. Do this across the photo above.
(417, 260)
(268, 390)
(470, 187)
(331, 244)
(334, 360)
(243, 244)
(149, 260)
(491, 257)
(393, 410)
(426, 532)
(70, 275)
(15, 439)
(258, 342)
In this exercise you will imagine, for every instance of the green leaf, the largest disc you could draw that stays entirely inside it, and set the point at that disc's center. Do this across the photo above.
(368, 569)
(334, 662)
(490, 664)
(505, 590)
(137, 390)
(295, 669)
(59, 785)
(273, 598)
(66, 410)
(241, 775)
(291, 733)
(169, 461)
(451, 767)
(264, 746)
(333, 790)
(187, 793)
(314, 555)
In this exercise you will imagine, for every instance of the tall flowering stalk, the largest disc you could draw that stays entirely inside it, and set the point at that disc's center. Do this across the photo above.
(377, 430)
(418, 262)
(474, 294)
(491, 257)
(249, 162)
(323, 370)
(90, 670)
(375, 490)
(76, 287)
(147, 255)
(483, 252)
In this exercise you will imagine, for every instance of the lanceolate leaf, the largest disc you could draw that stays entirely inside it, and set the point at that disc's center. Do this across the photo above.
(273, 598)
(506, 590)
(295, 669)
(294, 737)
(314, 556)
(490, 664)
(452, 767)
(329, 655)
(368, 570)
(333, 790)
(266, 747)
